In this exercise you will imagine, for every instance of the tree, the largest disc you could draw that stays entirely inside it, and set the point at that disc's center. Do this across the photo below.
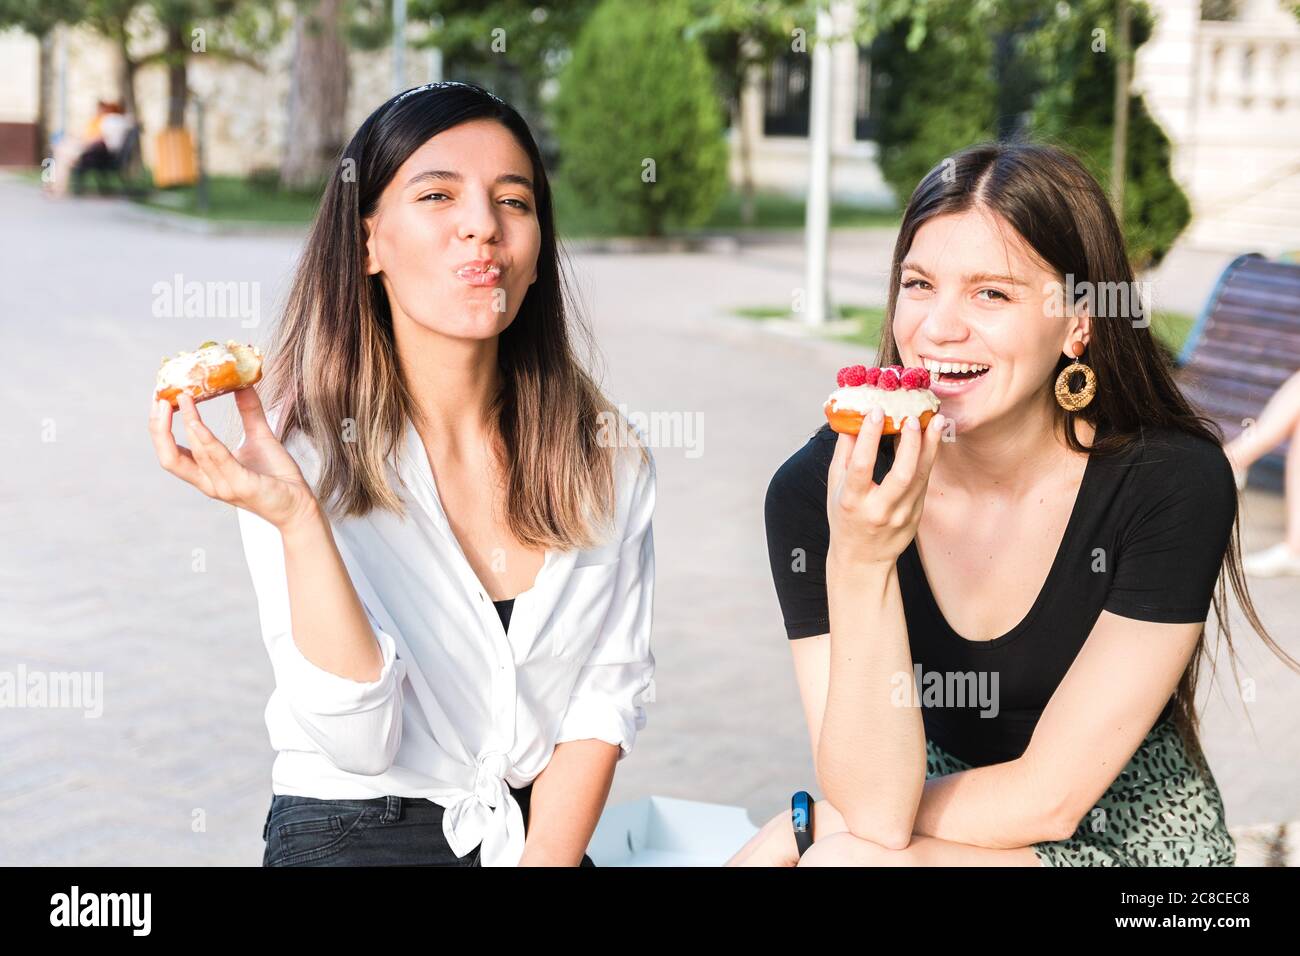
(739, 35)
(318, 94)
(958, 69)
(1076, 109)
(638, 119)
(225, 29)
(111, 19)
(39, 18)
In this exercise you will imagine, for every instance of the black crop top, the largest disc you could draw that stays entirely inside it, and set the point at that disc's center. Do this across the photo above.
(503, 611)
(1162, 511)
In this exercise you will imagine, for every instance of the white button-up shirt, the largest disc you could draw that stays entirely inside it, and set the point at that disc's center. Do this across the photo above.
(462, 710)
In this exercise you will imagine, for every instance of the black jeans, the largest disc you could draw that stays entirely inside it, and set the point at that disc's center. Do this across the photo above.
(382, 831)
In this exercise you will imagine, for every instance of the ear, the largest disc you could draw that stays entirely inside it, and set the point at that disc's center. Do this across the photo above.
(1080, 328)
(372, 246)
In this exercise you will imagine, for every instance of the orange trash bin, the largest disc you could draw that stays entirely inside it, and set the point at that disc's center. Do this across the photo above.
(176, 163)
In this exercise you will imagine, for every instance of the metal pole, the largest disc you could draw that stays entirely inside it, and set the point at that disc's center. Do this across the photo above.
(63, 81)
(399, 45)
(817, 212)
(201, 188)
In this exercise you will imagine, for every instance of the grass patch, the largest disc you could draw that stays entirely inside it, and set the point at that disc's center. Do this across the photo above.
(235, 199)
(870, 318)
(578, 218)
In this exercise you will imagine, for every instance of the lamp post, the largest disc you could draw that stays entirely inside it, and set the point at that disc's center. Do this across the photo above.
(399, 45)
(817, 211)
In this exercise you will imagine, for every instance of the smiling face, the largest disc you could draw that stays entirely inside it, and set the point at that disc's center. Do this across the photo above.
(983, 313)
(455, 235)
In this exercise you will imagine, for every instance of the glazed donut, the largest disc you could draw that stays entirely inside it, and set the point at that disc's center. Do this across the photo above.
(210, 370)
(901, 393)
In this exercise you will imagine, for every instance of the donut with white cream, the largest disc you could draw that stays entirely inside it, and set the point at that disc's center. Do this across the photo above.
(901, 393)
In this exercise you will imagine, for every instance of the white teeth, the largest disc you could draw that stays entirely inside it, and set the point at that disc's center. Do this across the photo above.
(936, 367)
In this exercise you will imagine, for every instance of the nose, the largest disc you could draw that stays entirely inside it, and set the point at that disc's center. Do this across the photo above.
(944, 322)
(478, 218)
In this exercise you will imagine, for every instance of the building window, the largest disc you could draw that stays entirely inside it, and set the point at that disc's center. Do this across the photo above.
(785, 95)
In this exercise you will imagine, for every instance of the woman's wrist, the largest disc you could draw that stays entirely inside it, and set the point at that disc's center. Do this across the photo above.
(850, 569)
(306, 522)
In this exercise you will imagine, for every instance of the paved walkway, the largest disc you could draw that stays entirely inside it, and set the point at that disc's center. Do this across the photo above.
(109, 565)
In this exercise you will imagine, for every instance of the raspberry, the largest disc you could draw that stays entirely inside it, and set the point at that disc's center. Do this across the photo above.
(896, 368)
(888, 379)
(873, 376)
(915, 378)
(851, 375)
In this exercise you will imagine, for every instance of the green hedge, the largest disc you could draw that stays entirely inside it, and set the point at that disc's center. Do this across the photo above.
(638, 92)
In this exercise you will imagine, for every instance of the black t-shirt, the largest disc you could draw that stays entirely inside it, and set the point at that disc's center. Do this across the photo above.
(1161, 512)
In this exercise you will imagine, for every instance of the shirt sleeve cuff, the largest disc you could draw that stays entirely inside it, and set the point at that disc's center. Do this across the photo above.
(318, 691)
(596, 717)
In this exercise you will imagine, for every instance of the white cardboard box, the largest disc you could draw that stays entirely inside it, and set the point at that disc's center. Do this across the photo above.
(664, 831)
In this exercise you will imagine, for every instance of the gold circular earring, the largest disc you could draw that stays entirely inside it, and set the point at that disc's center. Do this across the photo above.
(1073, 401)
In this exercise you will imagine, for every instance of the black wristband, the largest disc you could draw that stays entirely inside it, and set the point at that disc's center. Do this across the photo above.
(801, 818)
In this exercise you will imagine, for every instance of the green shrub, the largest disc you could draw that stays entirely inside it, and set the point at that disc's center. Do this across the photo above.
(934, 100)
(639, 125)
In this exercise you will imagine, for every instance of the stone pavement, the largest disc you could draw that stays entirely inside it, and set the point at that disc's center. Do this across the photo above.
(111, 567)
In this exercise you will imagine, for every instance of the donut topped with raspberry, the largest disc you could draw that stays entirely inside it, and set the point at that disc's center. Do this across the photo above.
(899, 391)
(889, 378)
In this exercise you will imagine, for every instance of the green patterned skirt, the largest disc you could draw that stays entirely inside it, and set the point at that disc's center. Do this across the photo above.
(1160, 811)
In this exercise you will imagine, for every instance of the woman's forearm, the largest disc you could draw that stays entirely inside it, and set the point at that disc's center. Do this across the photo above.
(329, 624)
(871, 750)
(999, 806)
(567, 799)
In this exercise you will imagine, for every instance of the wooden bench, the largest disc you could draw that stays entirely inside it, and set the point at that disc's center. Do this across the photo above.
(125, 165)
(1244, 345)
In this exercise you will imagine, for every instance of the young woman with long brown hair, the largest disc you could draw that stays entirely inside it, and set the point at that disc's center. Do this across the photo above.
(1037, 567)
(447, 525)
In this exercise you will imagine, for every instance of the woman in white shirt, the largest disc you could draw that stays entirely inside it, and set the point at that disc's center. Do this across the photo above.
(448, 527)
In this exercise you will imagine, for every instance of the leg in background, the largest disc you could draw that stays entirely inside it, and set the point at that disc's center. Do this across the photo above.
(1279, 419)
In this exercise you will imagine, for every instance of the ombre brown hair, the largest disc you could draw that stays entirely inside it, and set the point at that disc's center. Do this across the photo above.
(1061, 212)
(332, 365)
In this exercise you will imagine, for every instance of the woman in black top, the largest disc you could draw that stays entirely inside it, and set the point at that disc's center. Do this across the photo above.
(996, 622)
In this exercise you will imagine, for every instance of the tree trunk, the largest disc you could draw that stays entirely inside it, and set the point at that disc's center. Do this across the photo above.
(126, 78)
(177, 79)
(746, 165)
(44, 95)
(318, 96)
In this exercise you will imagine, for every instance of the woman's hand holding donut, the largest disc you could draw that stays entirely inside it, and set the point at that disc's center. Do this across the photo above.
(260, 476)
(872, 524)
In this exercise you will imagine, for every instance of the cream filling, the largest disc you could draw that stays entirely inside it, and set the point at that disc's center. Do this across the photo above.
(899, 404)
(191, 368)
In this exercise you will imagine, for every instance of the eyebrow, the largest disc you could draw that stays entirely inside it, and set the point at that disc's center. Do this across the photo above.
(969, 279)
(451, 176)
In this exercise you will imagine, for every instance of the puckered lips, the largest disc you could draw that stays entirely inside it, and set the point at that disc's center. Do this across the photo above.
(479, 272)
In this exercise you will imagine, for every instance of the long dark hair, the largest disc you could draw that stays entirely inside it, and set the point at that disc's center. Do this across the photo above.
(1060, 210)
(333, 359)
